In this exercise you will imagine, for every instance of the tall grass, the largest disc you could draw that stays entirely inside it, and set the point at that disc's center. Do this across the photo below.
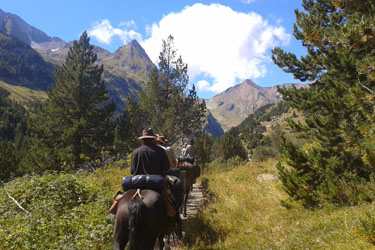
(243, 213)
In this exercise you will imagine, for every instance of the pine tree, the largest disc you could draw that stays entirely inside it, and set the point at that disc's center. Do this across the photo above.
(339, 112)
(203, 148)
(229, 146)
(74, 124)
(128, 127)
(172, 108)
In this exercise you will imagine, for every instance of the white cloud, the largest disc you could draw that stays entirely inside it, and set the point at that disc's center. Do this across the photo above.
(203, 85)
(216, 41)
(104, 32)
(247, 1)
(130, 23)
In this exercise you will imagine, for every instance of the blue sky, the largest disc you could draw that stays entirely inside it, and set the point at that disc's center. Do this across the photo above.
(223, 42)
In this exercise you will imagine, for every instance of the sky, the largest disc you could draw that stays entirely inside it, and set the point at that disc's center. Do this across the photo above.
(223, 42)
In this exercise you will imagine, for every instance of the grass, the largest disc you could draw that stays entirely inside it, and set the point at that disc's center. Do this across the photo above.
(24, 95)
(243, 213)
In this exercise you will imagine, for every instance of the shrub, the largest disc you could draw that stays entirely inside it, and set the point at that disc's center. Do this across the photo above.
(220, 163)
(67, 212)
(262, 153)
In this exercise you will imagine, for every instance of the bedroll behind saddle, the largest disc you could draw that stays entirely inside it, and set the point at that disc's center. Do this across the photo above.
(185, 159)
(154, 182)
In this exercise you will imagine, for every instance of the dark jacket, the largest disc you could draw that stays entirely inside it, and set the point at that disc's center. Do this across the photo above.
(149, 159)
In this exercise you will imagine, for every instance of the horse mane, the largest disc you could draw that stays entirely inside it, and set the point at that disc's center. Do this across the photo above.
(135, 223)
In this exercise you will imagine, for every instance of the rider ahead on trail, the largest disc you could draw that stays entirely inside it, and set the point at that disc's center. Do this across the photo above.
(149, 158)
(190, 150)
(162, 142)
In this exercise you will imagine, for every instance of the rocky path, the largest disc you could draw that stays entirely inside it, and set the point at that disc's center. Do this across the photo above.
(195, 201)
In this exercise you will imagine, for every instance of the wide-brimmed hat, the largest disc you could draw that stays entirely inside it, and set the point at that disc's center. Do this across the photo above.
(161, 139)
(147, 134)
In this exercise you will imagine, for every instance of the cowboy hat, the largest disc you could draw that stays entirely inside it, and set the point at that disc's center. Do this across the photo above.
(161, 139)
(147, 134)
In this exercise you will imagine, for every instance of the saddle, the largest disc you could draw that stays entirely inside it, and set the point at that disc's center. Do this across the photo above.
(118, 196)
(154, 182)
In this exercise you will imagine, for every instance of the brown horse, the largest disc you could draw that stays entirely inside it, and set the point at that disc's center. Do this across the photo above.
(187, 177)
(141, 219)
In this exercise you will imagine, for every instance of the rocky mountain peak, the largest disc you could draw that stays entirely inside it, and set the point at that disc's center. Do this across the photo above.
(130, 59)
(14, 26)
(235, 104)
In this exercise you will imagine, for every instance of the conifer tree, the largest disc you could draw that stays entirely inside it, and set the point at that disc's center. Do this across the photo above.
(338, 107)
(129, 127)
(203, 148)
(172, 108)
(229, 146)
(73, 125)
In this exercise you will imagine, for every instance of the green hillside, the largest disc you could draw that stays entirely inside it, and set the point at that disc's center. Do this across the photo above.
(24, 95)
(22, 65)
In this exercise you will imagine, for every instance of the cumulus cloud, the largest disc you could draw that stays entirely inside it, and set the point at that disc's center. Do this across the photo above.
(104, 32)
(218, 42)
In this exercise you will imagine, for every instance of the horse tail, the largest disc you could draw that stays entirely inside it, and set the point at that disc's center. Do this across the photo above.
(135, 223)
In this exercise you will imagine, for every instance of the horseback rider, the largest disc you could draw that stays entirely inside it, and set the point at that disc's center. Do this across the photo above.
(162, 142)
(189, 155)
(190, 150)
(149, 158)
(152, 159)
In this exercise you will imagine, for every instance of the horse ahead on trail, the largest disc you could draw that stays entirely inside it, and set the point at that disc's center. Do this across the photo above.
(142, 219)
(188, 174)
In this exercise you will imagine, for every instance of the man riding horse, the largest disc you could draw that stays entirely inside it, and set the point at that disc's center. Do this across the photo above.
(142, 207)
(151, 159)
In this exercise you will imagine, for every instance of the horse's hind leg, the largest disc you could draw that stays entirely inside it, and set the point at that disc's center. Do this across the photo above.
(161, 241)
(120, 236)
(185, 203)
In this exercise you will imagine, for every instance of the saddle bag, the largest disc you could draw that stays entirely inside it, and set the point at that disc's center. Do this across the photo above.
(113, 208)
(153, 182)
(184, 165)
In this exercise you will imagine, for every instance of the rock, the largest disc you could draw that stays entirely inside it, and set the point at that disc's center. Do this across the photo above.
(266, 177)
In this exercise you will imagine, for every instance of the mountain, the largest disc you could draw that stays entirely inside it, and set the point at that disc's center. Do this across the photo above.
(125, 71)
(213, 127)
(130, 60)
(13, 26)
(235, 104)
(22, 66)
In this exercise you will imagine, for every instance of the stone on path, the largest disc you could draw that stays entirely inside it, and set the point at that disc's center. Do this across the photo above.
(266, 177)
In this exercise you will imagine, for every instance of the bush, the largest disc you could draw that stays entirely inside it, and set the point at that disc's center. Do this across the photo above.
(220, 163)
(262, 153)
(67, 212)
